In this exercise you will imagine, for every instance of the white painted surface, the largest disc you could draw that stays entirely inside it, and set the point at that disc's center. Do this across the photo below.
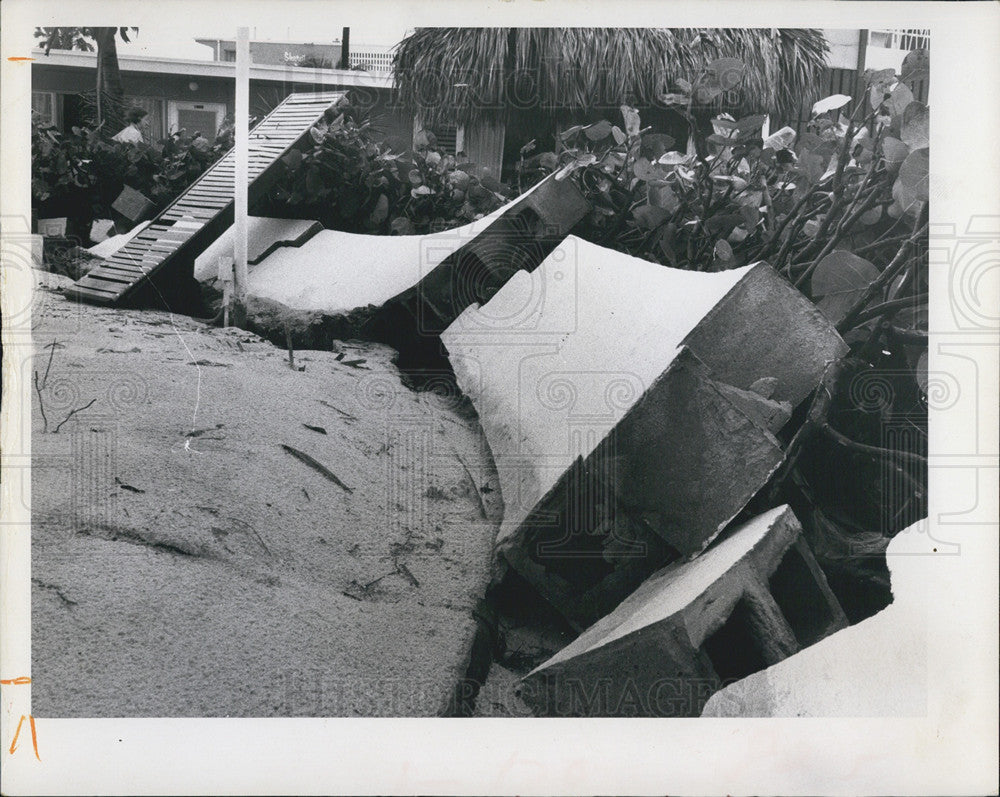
(262, 232)
(555, 359)
(884, 58)
(843, 43)
(109, 246)
(336, 272)
(876, 668)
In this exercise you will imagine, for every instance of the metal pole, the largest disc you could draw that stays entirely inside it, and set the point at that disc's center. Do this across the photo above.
(242, 122)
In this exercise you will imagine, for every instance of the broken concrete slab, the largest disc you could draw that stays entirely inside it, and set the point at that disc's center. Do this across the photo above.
(339, 274)
(876, 668)
(754, 598)
(678, 466)
(264, 235)
(560, 356)
(519, 239)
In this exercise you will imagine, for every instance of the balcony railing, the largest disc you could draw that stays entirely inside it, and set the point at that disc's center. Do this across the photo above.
(900, 39)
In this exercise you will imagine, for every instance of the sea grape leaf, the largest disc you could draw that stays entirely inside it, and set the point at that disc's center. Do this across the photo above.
(838, 282)
(599, 130)
(649, 216)
(654, 145)
(381, 211)
(894, 151)
(831, 103)
(900, 98)
(661, 195)
(915, 129)
(916, 65)
(914, 173)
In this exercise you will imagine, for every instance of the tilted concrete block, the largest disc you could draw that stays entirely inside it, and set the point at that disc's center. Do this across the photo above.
(752, 599)
(669, 476)
(559, 357)
(764, 327)
(133, 205)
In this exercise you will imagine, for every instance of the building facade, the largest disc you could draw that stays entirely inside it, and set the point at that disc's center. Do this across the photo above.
(853, 50)
(198, 95)
(373, 58)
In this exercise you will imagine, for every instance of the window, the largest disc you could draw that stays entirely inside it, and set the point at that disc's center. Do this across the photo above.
(229, 55)
(880, 38)
(372, 59)
(44, 104)
(450, 138)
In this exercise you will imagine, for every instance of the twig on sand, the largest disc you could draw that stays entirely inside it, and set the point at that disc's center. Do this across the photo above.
(291, 351)
(72, 413)
(475, 487)
(317, 466)
(52, 350)
(45, 380)
(332, 407)
(254, 533)
(405, 571)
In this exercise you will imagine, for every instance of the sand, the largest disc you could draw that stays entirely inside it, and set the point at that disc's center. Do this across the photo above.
(185, 563)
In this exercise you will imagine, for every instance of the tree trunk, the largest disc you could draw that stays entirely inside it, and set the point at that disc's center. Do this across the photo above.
(97, 99)
(107, 56)
(110, 93)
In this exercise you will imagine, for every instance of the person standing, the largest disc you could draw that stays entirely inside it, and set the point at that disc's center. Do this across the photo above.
(134, 132)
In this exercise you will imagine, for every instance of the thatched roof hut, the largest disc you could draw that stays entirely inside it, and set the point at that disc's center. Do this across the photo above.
(466, 75)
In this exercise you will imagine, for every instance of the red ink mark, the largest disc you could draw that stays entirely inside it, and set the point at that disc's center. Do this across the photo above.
(34, 735)
(19, 58)
(21, 680)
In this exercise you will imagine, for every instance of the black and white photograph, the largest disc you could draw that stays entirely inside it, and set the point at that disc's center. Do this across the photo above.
(553, 364)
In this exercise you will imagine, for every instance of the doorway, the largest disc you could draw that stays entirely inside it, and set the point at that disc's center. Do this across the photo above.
(196, 117)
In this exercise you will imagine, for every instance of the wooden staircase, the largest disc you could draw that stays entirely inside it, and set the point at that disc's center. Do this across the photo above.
(166, 249)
